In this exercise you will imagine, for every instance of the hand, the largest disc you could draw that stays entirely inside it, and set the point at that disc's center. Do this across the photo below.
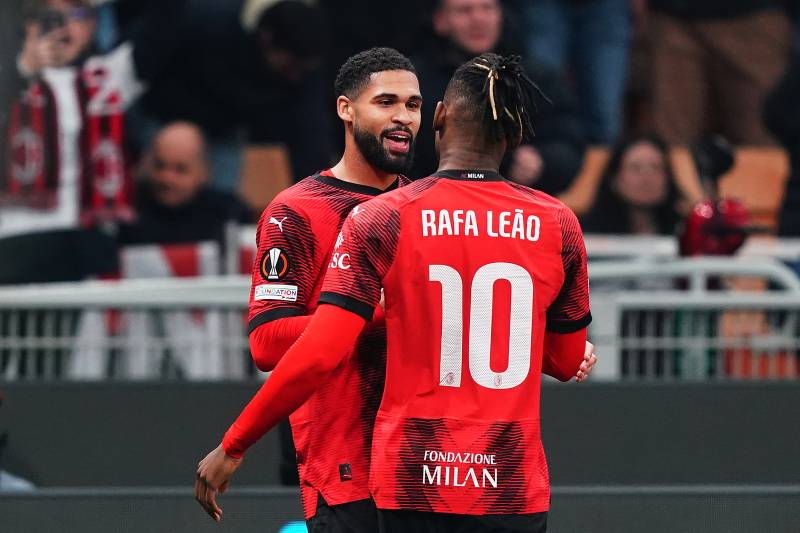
(589, 359)
(526, 165)
(213, 474)
(40, 51)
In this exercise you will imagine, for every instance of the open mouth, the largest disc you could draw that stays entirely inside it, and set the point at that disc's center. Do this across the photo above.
(397, 142)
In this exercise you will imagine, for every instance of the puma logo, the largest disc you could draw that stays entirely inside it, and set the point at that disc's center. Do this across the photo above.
(279, 223)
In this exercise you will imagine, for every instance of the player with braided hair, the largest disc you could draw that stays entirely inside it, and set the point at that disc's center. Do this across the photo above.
(486, 288)
(506, 93)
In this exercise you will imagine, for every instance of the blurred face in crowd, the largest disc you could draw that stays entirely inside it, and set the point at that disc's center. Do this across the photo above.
(179, 168)
(642, 177)
(286, 64)
(72, 24)
(385, 117)
(474, 25)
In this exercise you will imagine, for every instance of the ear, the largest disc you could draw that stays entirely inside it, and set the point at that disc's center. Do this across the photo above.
(440, 24)
(439, 116)
(206, 170)
(344, 108)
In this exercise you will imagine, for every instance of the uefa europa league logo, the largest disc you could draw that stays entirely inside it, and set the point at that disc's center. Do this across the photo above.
(274, 256)
(274, 264)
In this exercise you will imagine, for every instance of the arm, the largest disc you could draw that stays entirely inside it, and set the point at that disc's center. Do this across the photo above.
(566, 352)
(269, 342)
(563, 354)
(330, 335)
(370, 240)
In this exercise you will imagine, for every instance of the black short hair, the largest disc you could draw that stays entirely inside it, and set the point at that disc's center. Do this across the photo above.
(31, 9)
(296, 27)
(356, 71)
(498, 95)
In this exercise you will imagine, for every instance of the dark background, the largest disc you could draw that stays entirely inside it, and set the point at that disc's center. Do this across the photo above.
(623, 457)
(122, 434)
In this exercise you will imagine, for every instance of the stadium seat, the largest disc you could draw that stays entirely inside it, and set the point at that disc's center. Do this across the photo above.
(758, 178)
(266, 171)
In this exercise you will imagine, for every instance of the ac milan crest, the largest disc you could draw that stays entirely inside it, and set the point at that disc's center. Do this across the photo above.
(27, 151)
(108, 168)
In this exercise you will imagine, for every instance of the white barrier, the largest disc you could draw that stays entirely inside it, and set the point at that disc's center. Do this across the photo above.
(41, 326)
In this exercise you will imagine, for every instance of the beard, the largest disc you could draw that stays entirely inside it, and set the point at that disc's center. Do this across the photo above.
(371, 147)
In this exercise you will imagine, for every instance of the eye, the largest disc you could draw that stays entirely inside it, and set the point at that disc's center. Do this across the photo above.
(385, 102)
(413, 105)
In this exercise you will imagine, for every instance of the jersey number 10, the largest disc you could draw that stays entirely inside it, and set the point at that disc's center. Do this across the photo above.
(480, 325)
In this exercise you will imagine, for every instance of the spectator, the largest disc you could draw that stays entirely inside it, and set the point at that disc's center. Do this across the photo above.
(782, 116)
(713, 64)
(175, 203)
(244, 72)
(637, 194)
(67, 171)
(589, 39)
(467, 28)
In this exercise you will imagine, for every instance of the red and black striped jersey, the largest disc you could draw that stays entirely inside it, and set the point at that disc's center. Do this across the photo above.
(474, 269)
(296, 236)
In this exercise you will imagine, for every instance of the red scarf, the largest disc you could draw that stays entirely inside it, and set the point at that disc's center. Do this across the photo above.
(31, 179)
(34, 170)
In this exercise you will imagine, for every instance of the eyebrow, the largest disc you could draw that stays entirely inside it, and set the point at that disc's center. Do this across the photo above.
(395, 97)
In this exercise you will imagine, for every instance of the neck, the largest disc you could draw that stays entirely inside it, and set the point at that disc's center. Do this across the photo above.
(463, 145)
(353, 168)
(461, 156)
(642, 221)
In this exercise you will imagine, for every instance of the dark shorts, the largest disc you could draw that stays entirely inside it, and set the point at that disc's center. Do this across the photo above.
(391, 521)
(353, 517)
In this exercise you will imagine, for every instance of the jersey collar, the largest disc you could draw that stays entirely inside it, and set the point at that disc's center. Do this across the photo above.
(469, 174)
(327, 177)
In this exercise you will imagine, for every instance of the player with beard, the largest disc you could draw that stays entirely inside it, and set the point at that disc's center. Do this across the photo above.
(379, 103)
(486, 287)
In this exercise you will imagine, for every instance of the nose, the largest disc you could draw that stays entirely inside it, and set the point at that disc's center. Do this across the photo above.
(402, 116)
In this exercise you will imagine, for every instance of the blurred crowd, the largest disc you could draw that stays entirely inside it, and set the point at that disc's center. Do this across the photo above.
(125, 122)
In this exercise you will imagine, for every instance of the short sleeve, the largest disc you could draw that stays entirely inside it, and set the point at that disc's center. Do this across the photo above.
(569, 312)
(285, 268)
(363, 254)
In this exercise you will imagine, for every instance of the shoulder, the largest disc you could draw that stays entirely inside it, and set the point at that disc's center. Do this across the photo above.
(303, 189)
(545, 200)
(563, 214)
(298, 200)
(409, 191)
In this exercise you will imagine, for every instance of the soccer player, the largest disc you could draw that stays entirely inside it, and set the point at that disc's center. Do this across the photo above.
(485, 287)
(379, 102)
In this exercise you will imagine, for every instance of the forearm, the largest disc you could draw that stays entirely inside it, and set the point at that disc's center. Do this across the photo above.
(563, 354)
(269, 342)
(329, 337)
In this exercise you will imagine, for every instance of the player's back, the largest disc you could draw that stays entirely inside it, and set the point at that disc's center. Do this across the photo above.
(477, 273)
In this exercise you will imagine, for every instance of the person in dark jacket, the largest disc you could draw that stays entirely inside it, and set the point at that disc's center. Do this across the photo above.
(174, 203)
(467, 28)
